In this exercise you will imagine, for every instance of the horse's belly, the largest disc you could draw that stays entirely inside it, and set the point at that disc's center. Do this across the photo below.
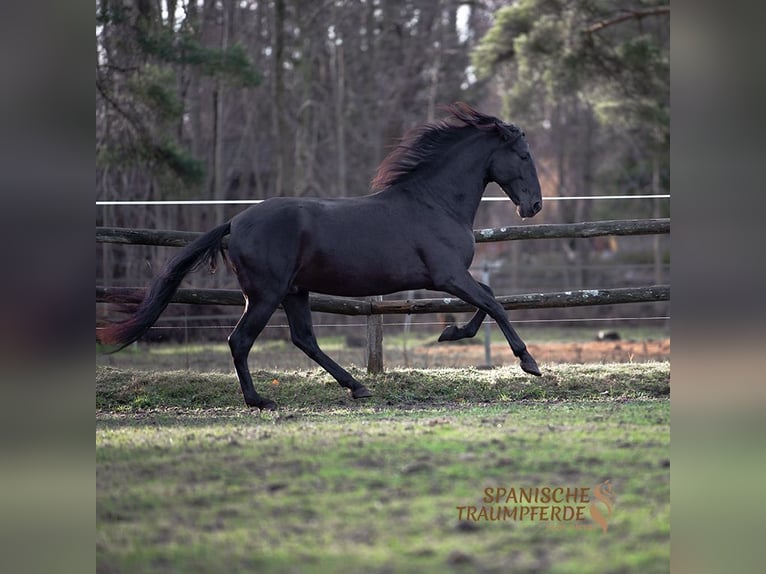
(353, 278)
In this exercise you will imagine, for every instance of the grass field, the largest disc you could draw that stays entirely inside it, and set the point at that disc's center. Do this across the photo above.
(188, 480)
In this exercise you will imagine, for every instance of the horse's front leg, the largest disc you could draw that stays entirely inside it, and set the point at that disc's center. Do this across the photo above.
(465, 287)
(455, 333)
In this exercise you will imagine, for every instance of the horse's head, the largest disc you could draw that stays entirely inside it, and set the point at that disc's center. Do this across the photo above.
(513, 169)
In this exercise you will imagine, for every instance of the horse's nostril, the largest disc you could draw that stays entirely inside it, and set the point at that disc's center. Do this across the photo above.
(537, 206)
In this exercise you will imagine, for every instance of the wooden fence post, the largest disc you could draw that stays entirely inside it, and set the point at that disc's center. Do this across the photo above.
(374, 350)
(487, 324)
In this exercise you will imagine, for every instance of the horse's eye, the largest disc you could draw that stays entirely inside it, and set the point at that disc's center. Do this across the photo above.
(524, 156)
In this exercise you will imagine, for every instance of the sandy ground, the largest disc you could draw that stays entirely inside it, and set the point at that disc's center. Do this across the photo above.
(570, 352)
(467, 353)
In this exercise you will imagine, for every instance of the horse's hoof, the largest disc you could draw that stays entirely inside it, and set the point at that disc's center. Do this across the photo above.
(262, 404)
(451, 333)
(361, 392)
(530, 366)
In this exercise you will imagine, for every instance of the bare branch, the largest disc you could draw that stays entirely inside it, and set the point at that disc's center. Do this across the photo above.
(629, 15)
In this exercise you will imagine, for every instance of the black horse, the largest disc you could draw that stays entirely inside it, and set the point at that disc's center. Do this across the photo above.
(414, 232)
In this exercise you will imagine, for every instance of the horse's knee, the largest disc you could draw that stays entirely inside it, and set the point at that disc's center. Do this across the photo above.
(238, 345)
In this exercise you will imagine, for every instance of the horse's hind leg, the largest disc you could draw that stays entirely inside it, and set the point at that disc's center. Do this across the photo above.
(480, 296)
(298, 310)
(455, 333)
(250, 325)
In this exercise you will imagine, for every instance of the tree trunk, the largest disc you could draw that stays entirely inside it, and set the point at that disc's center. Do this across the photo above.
(656, 246)
(278, 98)
(339, 82)
(219, 183)
(584, 207)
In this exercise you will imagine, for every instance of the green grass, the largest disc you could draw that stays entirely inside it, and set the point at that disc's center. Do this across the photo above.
(188, 480)
(127, 389)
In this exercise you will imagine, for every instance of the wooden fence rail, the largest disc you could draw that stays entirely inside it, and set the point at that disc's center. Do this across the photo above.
(346, 306)
(508, 233)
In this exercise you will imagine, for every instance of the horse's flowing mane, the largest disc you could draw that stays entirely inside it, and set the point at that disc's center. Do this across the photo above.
(421, 143)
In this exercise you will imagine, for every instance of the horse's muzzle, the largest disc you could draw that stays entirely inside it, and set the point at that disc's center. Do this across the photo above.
(525, 211)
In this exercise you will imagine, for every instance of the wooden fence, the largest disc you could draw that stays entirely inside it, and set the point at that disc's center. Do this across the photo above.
(373, 308)
(510, 233)
(348, 306)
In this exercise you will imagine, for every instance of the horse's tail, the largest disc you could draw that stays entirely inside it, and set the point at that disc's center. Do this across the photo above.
(204, 248)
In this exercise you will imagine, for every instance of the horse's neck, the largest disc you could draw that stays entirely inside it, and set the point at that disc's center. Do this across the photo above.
(458, 183)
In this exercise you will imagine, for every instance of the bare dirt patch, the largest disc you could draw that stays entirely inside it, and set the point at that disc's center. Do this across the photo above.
(627, 351)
